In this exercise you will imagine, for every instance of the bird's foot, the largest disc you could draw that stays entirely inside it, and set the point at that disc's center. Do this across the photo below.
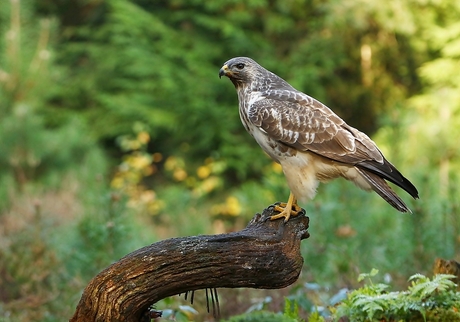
(287, 209)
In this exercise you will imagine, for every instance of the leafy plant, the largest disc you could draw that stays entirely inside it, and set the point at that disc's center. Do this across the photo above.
(426, 299)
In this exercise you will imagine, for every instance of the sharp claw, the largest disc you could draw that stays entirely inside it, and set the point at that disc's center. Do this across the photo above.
(297, 209)
(287, 209)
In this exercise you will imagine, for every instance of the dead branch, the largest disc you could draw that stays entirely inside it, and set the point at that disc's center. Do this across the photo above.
(264, 255)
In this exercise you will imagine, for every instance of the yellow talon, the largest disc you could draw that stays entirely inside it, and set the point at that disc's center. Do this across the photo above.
(291, 208)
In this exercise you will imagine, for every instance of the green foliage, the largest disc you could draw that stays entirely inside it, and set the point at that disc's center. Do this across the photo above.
(32, 276)
(31, 151)
(52, 172)
(290, 314)
(139, 78)
(32, 148)
(158, 63)
(425, 300)
(101, 234)
(262, 317)
(291, 309)
(372, 273)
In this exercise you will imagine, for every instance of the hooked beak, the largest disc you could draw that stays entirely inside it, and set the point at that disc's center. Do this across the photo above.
(223, 71)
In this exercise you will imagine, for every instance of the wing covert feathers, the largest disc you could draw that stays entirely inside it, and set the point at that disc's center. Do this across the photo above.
(308, 125)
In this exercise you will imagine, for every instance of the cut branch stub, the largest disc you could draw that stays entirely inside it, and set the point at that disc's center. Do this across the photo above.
(265, 255)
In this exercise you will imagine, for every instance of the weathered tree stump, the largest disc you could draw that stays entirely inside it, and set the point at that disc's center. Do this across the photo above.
(264, 255)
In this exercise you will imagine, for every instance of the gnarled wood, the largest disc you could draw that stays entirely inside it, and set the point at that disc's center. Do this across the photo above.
(265, 255)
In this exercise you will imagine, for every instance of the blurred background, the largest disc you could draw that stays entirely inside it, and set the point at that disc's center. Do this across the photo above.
(116, 132)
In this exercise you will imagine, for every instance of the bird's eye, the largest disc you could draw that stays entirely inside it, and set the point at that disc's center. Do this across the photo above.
(240, 66)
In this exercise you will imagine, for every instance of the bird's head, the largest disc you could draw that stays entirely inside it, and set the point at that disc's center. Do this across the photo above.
(241, 70)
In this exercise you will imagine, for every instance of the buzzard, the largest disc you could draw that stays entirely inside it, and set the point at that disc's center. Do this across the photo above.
(310, 142)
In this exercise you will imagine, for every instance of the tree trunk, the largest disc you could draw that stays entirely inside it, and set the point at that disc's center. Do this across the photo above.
(264, 255)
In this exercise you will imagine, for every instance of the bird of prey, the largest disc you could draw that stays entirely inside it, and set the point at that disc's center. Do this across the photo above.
(310, 142)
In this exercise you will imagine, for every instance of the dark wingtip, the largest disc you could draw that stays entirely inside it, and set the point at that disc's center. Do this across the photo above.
(379, 185)
(407, 186)
(388, 172)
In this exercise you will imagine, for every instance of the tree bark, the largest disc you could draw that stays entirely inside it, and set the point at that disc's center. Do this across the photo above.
(264, 255)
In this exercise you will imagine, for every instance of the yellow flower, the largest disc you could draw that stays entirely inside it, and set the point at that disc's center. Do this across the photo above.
(117, 183)
(203, 172)
(139, 161)
(179, 174)
(233, 206)
(157, 157)
(143, 137)
(170, 163)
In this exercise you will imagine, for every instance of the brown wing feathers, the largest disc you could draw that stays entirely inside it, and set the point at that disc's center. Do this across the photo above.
(319, 130)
